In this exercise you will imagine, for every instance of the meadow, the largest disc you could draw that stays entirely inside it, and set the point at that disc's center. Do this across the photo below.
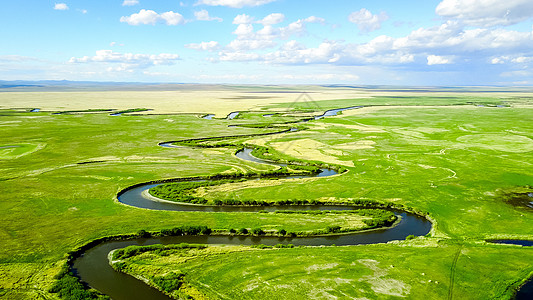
(455, 156)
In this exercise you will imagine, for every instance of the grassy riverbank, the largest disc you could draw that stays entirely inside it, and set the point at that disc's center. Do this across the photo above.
(414, 269)
(450, 161)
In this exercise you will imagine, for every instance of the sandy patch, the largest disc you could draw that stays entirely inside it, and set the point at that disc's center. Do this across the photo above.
(218, 100)
(358, 145)
(309, 149)
(314, 268)
(232, 187)
(373, 109)
(382, 285)
(499, 142)
(361, 127)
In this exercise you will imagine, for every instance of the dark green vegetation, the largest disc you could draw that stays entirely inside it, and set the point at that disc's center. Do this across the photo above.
(68, 286)
(520, 197)
(450, 161)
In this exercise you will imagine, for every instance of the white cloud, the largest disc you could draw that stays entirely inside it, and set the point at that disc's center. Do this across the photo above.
(272, 19)
(314, 19)
(497, 60)
(366, 21)
(249, 39)
(486, 13)
(151, 17)
(142, 17)
(243, 19)
(206, 46)
(522, 59)
(243, 45)
(238, 56)
(438, 60)
(172, 18)
(243, 30)
(60, 6)
(128, 61)
(234, 3)
(203, 15)
(130, 2)
(518, 59)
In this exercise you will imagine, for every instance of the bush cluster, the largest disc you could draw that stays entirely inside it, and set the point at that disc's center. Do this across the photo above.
(157, 249)
(170, 282)
(186, 230)
(68, 286)
(263, 246)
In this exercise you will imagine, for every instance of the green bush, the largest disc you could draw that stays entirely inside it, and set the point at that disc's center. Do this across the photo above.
(257, 231)
(67, 286)
(170, 282)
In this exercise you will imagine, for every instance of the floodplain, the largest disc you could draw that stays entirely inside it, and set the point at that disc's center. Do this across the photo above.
(460, 158)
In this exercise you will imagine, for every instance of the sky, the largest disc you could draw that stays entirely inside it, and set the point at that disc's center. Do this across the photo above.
(384, 42)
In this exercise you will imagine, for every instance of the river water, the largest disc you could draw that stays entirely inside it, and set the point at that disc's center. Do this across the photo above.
(94, 269)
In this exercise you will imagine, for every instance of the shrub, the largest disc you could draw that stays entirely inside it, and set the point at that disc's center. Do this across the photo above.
(333, 229)
(169, 282)
(257, 231)
(69, 287)
(243, 231)
(143, 234)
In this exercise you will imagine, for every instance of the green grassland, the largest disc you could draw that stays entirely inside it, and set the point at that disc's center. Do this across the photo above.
(453, 161)
(415, 269)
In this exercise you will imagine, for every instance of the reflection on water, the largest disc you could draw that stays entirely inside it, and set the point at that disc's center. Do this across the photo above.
(233, 115)
(93, 267)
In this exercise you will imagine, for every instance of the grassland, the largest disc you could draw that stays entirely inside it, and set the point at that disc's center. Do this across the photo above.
(442, 154)
(416, 269)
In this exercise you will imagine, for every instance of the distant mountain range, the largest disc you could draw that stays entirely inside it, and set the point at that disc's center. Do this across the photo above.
(66, 85)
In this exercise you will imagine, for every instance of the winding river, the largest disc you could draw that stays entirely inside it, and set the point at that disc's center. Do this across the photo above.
(93, 267)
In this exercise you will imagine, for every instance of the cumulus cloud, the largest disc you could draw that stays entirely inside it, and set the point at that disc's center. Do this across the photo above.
(60, 6)
(234, 3)
(264, 40)
(267, 37)
(203, 15)
(130, 2)
(243, 19)
(518, 59)
(150, 17)
(314, 19)
(128, 61)
(206, 46)
(172, 18)
(272, 19)
(486, 13)
(366, 21)
(438, 60)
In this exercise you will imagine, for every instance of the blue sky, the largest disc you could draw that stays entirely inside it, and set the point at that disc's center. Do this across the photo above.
(439, 43)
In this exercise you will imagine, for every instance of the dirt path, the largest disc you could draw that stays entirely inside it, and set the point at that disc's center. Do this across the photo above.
(452, 274)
